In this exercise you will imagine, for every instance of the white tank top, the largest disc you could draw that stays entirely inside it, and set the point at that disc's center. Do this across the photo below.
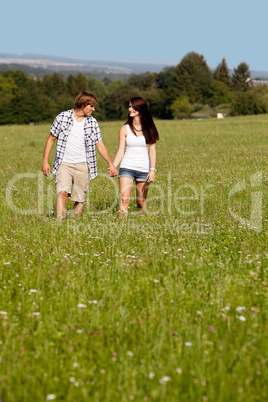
(136, 154)
(75, 151)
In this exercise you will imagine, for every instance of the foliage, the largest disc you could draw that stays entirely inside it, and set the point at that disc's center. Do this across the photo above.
(241, 77)
(247, 103)
(192, 78)
(181, 108)
(220, 92)
(205, 113)
(26, 99)
(221, 73)
(168, 306)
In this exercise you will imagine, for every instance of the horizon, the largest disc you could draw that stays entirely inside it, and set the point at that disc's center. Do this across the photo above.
(45, 61)
(160, 35)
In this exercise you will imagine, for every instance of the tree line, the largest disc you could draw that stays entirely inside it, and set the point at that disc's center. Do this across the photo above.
(188, 90)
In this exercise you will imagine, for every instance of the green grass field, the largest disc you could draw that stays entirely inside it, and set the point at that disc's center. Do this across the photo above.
(168, 306)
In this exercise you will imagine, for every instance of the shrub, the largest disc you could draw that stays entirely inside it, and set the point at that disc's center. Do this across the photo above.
(248, 103)
(205, 113)
(181, 108)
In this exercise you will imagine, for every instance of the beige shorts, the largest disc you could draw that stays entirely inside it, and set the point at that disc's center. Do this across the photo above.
(73, 179)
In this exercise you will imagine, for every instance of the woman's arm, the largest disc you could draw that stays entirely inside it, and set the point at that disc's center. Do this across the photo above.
(152, 152)
(121, 145)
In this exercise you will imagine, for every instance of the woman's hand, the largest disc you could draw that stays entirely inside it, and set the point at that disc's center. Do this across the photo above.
(151, 176)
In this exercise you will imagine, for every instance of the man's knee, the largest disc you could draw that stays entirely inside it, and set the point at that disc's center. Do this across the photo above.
(62, 194)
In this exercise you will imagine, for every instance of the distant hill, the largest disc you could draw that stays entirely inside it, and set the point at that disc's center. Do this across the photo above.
(49, 63)
(39, 65)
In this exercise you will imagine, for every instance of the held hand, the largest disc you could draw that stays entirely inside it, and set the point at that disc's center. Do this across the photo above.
(46, 168)
(151, 176)
(113, 171)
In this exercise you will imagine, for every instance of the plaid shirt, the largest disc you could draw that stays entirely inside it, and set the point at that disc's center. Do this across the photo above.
(61, 128)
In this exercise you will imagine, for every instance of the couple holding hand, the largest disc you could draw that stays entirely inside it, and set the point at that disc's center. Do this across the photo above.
(78, 134)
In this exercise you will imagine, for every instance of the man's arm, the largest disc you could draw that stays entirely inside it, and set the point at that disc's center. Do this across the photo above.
(49, 144)
(104, 154)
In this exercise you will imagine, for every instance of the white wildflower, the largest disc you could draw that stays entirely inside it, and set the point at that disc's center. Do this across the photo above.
(156, 281)
(36, 313)
(51, 397)
(80, 305)
(199, 312)
(93, 302)
(129, 353)
(33, 291)
(3, 313)
(75, 364)
(188, 344)
(241, 317)
(240, 309)
(164, 379)
(179, 370)
(72, 379)
(151, 375)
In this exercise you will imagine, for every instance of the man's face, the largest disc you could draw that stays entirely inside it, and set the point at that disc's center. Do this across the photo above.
(88, 110)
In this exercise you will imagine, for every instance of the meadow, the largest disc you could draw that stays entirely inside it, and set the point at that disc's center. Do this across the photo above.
(167, 306)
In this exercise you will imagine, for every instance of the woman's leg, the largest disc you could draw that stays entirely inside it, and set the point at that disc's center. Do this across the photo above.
(125, 186)
(141, 195)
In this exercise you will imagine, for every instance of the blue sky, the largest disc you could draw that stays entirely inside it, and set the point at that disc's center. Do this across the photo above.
(143, 31)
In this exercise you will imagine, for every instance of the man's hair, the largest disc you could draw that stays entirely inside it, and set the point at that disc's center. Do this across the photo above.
(83, 99)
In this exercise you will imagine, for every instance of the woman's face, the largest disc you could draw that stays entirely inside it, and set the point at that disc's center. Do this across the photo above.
(132, 112)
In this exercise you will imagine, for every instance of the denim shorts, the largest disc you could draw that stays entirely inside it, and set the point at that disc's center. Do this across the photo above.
(133, 174)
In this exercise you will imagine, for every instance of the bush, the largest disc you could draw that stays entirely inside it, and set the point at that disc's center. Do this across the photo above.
(181, 108)
(205, 113)
(223, 108)
(248, 103)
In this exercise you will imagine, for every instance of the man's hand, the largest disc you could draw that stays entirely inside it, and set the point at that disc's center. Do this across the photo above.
(45, 168)
(112, 170)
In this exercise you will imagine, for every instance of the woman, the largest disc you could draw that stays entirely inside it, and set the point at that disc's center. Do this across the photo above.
(138, 135)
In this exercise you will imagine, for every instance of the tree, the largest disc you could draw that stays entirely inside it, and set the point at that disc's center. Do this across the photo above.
(142, 81)
(81, 83)
(71, 86)
(113, 85)
(7, 85)
(116, 103)
(241, 77)
(192, 78)
(220, 92)
(221, 73)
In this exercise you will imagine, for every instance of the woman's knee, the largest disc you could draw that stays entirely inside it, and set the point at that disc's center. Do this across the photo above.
(125, 201)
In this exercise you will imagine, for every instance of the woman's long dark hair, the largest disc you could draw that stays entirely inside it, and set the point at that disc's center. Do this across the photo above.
(148, 127)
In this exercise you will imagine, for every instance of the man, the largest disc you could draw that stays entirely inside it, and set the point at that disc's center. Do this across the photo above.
(77, 134)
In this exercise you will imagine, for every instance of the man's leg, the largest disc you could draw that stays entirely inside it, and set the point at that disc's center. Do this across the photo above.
(80, 187)
(78, 208)
(61, 204)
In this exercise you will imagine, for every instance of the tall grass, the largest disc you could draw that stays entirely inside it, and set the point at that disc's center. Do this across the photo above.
(168, 306)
